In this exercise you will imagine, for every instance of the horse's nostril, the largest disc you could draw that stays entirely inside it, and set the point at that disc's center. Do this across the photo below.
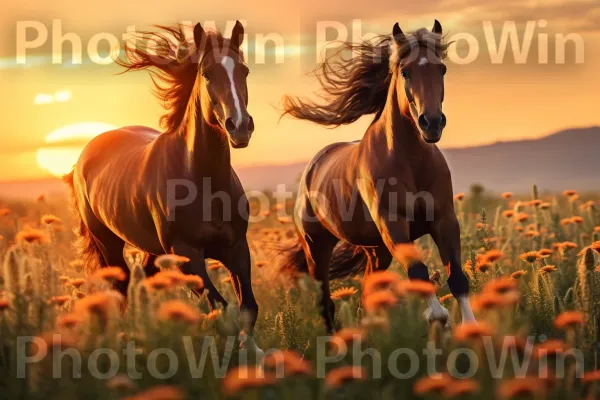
(230, 125)
(443, 121)
(423, 122)
(250, 125)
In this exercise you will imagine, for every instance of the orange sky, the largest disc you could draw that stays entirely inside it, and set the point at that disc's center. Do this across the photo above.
(485, 102)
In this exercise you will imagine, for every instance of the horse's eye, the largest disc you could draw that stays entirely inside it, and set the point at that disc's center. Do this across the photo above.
(404, 74)
(205, 76)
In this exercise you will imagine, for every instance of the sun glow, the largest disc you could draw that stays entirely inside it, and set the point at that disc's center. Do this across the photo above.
(65, 144)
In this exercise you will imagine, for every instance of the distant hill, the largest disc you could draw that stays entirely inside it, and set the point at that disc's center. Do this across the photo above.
(566, 159)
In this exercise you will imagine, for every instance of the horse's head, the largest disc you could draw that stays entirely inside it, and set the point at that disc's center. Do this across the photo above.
(224, 92)
(420, 78)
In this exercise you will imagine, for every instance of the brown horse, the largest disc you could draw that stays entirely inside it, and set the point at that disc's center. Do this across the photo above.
(394, 185)
(155, 191)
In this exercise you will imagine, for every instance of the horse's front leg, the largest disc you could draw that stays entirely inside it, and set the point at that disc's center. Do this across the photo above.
(237, 261)
(446, 235)
(394, 230)
(197, 266)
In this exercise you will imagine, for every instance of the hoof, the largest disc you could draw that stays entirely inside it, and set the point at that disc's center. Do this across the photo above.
(247, 342)
(441, 315)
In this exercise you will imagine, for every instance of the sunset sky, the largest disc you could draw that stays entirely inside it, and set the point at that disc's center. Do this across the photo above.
(485, 102)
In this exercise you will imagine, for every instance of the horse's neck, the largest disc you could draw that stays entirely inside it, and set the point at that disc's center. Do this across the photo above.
(207, 153)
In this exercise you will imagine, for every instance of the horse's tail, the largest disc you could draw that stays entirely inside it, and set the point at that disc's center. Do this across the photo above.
(88, 250)
(347, 259)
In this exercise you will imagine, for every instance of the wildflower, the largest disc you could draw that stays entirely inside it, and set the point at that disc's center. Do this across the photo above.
(461, 387)
(535, 203)
(406, 253)
(4, 304)
(594, 246)
(193, 282)
(167, 261)
(577, 220)
(419, 288)
(111, 274)
(68, 320)
(174, 276)
(522, 217)
(101, 305)
(483, 267)
(486, 301)
(30, 235)
(597, 229)
(500, 286)
(245, 377)
(545, 206)
(566, 221)
(591, 376)
(338, 376)
(493, 256)
(551, 347)
(178, 311)
(346, 336)
(76, 283)
(291, 362)
(5, 211)
(285, 220)
(344, 293)
(459, 196)
(121, 382)
(530, 256)
(546, 269)
(507, 195)
(160, 392)
(50, 219)
(381, 300)
(472, 330)
(543, 253)
(59, 300)
(435, 383)
(569, 320)
(521, 387)
(158, 282)
(518, 274)
(445, 298)
(570, 193)
(379, 280)
(508, 213)
(532, 234)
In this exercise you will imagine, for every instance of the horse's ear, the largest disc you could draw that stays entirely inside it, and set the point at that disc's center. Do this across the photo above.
(198, 35)
(237, 34)
(437, 27)
(397, 33)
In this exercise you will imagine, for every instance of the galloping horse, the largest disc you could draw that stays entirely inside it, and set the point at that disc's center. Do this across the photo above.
(128, 184)
(393, 186)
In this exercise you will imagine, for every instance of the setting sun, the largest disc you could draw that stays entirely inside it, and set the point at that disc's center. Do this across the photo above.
(65, 144)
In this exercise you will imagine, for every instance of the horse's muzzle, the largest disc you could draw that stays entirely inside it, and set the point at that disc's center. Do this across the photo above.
(240, 140)
(239, 136)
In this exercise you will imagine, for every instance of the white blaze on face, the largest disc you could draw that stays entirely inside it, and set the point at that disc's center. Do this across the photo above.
(229, 65)
(423, 61)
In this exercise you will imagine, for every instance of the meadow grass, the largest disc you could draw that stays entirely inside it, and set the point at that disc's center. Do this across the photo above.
(532, 262)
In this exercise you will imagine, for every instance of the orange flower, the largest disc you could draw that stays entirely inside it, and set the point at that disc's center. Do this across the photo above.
(522, 217)
(59, 300)
(406, 253)
(338, 376)
(345, 337)
(530, 256)
(594, 246)
(486, 301)
(5, 211)
(416, 287)
(551, 347)
(545, 252)
(531, 234)
(493, 256)
(160, 392)
(30, 236)
(445, 298)
(461, 387)
(111, 274)
(245, 377)
(431, 384)
(501, 285)
(518, 274)
(482, 267)
(121, 382)
(459, 196)
(168, 261)
(591, 376)
(101, 304)
(507, 195)
(472, 330)
(291, 362)
(570, 193)
(566, 221)
(546, 269)
(50, 219)
(508, 213)
(569, 320)
(545, 206)
(343, 293)
(521, 387)
(4, 304)
(379, 280)
(577, 219)
(378, 301)
(76, 283)
(173, 275)
(193, 282)
(535, 202)
(597, 229)
(285, 220)
(158, 282)
(178, 311)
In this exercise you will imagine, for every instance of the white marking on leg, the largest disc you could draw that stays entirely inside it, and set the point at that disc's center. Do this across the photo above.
(465, 309)
(423, 61)
(436, 311)
(229, 65)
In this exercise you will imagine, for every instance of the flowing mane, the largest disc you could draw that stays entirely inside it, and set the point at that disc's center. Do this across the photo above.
(358, 84)
(172, 62)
